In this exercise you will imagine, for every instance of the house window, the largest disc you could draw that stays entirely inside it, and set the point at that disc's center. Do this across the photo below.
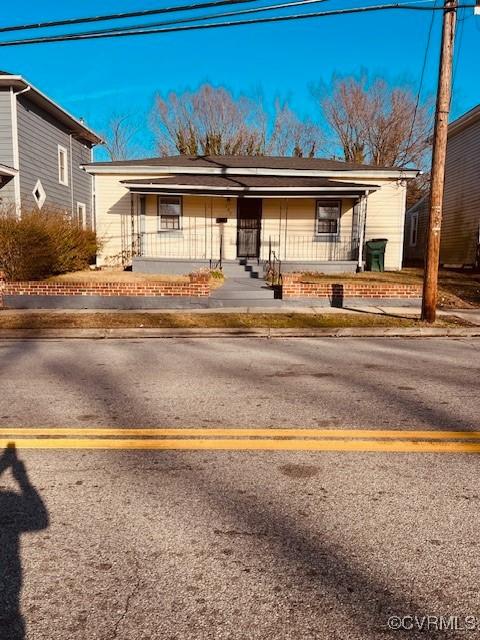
(327, 217)
(169, 213)
(62, 166)
(82, 214)
(413, 229)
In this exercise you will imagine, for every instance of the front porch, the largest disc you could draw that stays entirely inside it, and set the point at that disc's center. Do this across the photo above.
(177, 231)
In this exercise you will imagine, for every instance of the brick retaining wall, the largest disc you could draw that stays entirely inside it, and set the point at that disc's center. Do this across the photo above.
(294, 285)
(197, 286)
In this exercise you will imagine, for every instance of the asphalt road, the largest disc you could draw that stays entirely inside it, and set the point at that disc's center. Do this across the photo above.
(328, 382)
(127, 545)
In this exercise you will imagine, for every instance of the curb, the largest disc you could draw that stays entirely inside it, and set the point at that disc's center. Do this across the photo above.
(340, 332)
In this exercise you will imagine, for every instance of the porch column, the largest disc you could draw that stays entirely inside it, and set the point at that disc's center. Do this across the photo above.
(362, 222)
(132, 224)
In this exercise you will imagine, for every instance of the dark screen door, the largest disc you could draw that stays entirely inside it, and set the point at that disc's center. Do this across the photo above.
(249, 220)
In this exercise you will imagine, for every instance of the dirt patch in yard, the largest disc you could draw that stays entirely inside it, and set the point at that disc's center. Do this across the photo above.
(457, 289)
(119, 320)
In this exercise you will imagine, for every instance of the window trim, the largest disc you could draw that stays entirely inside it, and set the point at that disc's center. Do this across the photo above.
(62, 150)
(82, 219)
(414, 217)
(328, 234)
(159, 215)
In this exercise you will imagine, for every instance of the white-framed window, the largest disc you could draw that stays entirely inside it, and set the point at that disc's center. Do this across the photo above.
(327, 217)
(169, 213)
(82, 214)
(413, 229)
(62, 165)
(39, 194)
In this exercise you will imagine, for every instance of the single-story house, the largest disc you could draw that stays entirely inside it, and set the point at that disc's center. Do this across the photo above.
(175, 214)
(460, 237)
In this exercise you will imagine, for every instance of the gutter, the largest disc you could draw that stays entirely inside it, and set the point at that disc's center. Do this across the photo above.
(126, 169)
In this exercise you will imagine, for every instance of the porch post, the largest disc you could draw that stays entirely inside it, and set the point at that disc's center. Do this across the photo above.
(132, 224)
(286, 231)
(362, 222)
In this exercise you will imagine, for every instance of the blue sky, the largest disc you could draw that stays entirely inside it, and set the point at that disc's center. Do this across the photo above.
(95, 79)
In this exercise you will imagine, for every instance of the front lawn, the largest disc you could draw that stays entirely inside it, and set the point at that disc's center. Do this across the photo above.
(119, 275)
(180, 320)
(458, 289)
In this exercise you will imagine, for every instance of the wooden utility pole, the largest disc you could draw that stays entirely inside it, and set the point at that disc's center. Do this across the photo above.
(444, 92)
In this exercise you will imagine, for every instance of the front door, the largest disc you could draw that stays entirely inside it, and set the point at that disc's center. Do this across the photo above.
(249, 221)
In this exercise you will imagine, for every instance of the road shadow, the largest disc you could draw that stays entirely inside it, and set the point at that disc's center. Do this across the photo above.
(20, 511)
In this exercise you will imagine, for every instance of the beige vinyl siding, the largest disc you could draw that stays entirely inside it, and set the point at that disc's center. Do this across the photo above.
(461, 209)
(199, 237)
(386, 218)
(289, 225)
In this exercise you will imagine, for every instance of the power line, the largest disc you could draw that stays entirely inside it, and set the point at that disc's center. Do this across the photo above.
(224, 14)
(215, 25)
(121, 16)
(420, 85)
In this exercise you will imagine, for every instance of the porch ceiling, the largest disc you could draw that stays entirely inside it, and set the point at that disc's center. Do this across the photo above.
(253, 185)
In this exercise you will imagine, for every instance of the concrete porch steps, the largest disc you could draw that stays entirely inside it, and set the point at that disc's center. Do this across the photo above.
(244, 285)
(243, 267)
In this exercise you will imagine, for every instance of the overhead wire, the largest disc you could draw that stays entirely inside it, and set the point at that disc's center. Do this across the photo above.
(413, 6)
(121, 16)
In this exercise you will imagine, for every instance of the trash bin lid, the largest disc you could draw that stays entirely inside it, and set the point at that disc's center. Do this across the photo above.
(377, 243)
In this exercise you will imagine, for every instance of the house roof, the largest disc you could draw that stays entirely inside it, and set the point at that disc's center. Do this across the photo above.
(75, 125)
(467, 119)
(247, 165)
(237, 162)
(254, 184)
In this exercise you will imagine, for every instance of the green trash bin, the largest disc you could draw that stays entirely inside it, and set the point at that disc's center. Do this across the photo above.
(376, 254)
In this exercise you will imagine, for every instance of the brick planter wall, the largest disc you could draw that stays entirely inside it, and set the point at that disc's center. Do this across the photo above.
(294, 286)
(198, 286)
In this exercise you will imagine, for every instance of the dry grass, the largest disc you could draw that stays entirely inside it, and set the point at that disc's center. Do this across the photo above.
(458, 289)
(118, 320)
(115, 275)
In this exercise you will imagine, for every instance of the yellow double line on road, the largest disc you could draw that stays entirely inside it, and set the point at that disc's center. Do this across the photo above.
(238, 439)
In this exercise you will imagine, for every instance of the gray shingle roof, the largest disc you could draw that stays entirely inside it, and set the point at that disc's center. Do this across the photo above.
(236, 182)
(235, 162)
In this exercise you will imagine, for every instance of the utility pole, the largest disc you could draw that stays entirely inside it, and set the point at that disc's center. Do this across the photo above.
(444, 92)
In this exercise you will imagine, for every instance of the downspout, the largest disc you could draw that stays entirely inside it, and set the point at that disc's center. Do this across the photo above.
(15, 150)
(71, 173)
(93, 203)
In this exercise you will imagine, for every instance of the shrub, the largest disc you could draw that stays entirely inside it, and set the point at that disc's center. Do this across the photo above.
(43, 243)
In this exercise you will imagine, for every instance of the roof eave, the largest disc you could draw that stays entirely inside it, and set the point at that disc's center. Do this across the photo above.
(464, 121)
(52, 107)
(108, 169)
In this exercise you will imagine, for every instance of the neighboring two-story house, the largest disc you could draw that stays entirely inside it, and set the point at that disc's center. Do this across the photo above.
(460, 239)
(41, 149)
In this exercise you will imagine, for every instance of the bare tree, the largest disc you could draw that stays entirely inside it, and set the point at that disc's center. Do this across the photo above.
(377, 124)
(292, 136)
(209, 121)
(119, 139)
